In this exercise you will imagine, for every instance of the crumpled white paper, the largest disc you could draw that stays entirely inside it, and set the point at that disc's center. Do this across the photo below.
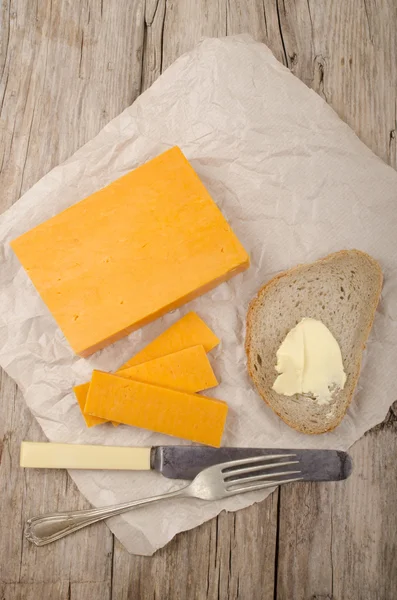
(295, 183)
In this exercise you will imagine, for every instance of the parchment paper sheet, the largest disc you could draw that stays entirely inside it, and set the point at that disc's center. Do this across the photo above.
(294, 182)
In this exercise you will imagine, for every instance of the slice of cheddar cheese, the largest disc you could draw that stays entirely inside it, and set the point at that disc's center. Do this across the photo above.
(81, 392)
(188, 416)
(142, 246)
(188, 370)
(188, 331)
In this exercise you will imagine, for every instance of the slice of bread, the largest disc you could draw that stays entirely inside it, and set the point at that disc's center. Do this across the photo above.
(342, 290)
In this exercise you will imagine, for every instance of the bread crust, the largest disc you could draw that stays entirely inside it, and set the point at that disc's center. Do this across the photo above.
(271, 284)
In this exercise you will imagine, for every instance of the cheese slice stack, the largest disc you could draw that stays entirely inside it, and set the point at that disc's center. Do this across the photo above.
(188, 371)
(142, 246)
(159, 394)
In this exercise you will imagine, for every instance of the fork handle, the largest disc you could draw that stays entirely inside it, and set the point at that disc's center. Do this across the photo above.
(48, 528)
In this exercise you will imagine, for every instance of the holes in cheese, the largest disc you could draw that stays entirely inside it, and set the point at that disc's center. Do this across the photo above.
(144, 245)
(188, 416)
(189, 330)
(188, 370)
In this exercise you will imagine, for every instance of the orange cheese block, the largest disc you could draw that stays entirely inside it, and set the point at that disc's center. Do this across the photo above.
(136, 249)
(188, 331)
(188, 370)
(188, 416)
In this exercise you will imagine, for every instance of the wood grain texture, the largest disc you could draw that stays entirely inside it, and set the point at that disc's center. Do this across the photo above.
(231, 556)
(347, 52)
(65, 73)
(26, 591)
(341, 543)
(66, 69)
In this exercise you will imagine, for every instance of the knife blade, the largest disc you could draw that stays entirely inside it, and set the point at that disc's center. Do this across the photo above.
(176, 462)
(185, 462)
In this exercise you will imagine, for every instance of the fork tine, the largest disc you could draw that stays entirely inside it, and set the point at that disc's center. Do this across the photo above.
(231, 464)
(261, 486)
(229, 484)
(250, 468)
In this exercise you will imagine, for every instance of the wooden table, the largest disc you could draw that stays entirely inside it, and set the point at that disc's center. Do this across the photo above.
(67, 68)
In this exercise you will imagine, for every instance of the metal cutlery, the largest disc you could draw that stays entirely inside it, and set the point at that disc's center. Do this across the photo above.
(213, 483)
(176, 462)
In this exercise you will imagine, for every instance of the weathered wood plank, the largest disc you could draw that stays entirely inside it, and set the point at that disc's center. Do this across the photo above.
(67, 68)
(333, 539)
(84, 63)
(228, 558)
(30, 492)
(153, 42)
(260, 19)
(339, 540)
(347, 52)
(90, 590)
(35, 591)
(187, 22)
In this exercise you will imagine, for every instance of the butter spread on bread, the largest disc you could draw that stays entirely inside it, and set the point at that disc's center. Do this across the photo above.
(309, 362)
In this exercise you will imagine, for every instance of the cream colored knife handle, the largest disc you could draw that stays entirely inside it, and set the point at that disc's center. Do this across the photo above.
(78, 456)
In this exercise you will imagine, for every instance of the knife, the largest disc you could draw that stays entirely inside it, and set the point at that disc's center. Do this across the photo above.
(176, 462)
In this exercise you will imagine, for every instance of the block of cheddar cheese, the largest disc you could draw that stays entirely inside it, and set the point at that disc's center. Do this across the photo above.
(144, 245)
(188, 416)
(188, 370)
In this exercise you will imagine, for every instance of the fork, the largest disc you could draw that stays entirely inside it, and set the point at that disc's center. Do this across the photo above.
(214, 483)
